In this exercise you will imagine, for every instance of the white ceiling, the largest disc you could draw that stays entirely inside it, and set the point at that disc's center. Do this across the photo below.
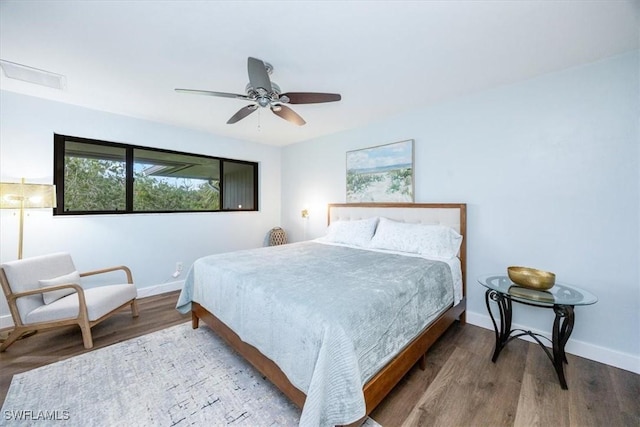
(384, 57)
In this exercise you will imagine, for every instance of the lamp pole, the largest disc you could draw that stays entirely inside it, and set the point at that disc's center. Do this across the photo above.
(21, 220)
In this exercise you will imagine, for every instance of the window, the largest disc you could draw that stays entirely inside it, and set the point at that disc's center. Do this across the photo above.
(97, 177)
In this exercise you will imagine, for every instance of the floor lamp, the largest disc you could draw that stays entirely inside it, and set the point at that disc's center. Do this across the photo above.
(26, 196)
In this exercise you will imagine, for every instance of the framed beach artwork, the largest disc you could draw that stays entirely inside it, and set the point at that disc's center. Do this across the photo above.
(381, 174)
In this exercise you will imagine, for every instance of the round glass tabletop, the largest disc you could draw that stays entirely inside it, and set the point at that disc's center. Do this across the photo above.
(560, 293)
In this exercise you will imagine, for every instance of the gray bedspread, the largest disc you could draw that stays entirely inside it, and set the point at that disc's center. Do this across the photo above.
(329, 316)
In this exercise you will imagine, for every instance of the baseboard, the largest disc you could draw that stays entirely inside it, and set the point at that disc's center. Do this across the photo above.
(160, 289)
(625, 361)
(6, 322)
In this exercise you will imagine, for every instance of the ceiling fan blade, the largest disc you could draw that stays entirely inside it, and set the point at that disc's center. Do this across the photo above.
(210, 93)
(310, 97)
(242, 113)
(258, 75)
(288, 114)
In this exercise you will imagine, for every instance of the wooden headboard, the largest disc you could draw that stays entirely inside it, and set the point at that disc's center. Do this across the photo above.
(453, 215)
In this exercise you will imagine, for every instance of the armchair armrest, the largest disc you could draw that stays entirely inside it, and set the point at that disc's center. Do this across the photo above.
(75, 286)
(110, 269)
(11, 298)
(82, 302)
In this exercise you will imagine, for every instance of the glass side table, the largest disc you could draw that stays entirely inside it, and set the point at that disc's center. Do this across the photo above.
(561, 298)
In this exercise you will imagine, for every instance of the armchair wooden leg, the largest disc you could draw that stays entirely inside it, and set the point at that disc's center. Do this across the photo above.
(134, 308)
(86, 336)
(13, 337)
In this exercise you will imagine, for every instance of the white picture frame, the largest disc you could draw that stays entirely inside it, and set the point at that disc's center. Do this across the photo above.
(383, 173)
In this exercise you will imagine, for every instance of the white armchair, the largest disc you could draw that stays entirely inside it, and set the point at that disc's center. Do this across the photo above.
(45, 292)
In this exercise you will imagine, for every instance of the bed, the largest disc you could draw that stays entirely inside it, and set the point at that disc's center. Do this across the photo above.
(336, 322)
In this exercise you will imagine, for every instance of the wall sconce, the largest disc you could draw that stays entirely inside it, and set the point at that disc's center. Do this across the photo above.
(305, 213)
(26, 196)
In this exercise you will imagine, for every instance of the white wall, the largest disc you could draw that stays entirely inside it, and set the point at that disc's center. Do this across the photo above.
(150, 244)
(549, 170)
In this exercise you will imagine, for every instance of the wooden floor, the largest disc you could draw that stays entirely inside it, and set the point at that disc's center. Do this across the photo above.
(459, 387)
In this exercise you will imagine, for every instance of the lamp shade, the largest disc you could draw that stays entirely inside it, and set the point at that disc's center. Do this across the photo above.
(21, 195)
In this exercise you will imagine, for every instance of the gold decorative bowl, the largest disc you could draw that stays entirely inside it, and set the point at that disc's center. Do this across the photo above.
(531, 278)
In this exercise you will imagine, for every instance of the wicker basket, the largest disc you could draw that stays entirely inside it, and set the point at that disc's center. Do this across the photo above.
(277, 236)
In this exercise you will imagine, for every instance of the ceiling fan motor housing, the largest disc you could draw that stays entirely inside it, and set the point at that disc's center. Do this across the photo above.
(263, 97)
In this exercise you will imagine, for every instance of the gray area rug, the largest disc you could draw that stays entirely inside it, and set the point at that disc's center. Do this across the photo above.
(174, 377)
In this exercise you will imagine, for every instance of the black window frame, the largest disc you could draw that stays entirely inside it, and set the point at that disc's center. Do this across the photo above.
(59, 141)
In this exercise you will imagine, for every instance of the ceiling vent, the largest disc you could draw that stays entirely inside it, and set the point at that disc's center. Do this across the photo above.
(32, 75)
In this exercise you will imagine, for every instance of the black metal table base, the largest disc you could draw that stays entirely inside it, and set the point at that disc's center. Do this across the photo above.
(562, 328)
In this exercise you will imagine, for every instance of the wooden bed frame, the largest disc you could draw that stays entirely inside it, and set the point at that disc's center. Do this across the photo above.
(375, 390)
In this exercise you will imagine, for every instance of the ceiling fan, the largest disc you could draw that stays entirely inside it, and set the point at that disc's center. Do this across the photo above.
(262, 92)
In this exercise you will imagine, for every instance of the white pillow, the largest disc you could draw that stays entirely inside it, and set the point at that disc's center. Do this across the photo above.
(356, 233)
(52, 296)
(436, 241)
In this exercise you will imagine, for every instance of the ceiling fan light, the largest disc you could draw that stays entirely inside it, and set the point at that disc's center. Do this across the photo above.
(276, 107)
(263, 101)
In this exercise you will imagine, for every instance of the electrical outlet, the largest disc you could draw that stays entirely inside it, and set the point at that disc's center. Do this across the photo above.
(179, 266)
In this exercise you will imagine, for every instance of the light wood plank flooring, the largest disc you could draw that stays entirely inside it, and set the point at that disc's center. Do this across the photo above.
(459, 387)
